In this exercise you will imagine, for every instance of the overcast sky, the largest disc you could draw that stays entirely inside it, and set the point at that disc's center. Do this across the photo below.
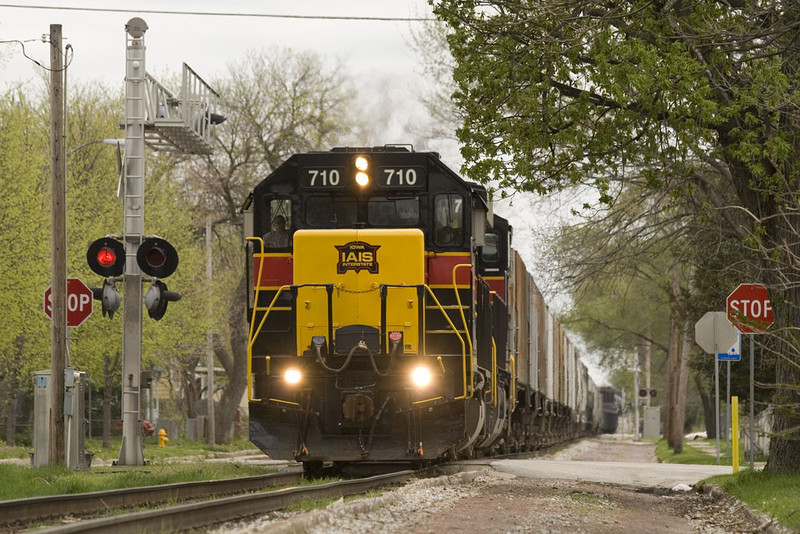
(208, 42)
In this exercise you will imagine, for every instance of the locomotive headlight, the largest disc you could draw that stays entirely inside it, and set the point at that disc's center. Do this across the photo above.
(421, 376)
(362, 163)
(362, 179)
(292, 376)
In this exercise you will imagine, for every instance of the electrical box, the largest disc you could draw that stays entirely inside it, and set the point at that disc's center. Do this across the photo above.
(652, 422)
(74, 419)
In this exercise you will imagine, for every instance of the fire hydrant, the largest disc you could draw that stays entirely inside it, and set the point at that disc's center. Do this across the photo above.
(162, 438)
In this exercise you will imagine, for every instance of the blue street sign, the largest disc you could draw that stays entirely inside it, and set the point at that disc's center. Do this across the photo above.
(734, 354)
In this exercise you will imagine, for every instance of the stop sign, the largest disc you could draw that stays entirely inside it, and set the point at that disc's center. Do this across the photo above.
(749, 308)
(79, 302)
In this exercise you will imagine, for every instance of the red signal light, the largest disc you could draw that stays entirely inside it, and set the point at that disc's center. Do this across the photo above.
(106, 257)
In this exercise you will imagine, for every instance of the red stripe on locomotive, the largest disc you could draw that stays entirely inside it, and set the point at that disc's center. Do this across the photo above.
(276, 270)
(440, 270)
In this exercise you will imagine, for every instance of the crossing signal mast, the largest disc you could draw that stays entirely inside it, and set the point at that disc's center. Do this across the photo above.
(164, 121)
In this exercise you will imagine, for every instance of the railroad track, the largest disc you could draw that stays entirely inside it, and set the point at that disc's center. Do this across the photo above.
(186, 516)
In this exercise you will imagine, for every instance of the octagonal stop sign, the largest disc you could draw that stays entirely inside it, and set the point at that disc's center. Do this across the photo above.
(79, 302)
(749, 308)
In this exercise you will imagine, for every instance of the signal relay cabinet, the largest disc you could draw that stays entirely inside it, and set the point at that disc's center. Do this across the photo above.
(74, 420)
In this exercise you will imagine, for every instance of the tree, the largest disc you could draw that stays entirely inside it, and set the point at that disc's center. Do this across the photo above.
(584, 92)
(24, 224)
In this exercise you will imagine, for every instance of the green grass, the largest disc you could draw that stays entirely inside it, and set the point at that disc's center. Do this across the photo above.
(773, 495)
(689, 455)
(175, 447)
(20, 481)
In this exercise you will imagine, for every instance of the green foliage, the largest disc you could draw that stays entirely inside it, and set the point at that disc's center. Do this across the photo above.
(561, 94)
(24, 235)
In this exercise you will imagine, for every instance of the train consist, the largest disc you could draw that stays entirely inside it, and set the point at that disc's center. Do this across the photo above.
(390, 318)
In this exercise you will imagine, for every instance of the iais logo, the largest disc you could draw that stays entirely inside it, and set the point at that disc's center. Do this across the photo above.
(357, 255)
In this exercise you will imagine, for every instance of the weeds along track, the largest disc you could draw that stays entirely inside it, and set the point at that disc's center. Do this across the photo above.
(183, 516)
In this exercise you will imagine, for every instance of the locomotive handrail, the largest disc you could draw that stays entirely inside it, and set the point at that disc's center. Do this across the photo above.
(253, 336)
(257, 288)
(513, 381)
(466, 328)
(494, 373)
(463, 347)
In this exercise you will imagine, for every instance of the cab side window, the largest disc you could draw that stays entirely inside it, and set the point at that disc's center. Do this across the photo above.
(279, 224)
(448, 224)
(491, 249)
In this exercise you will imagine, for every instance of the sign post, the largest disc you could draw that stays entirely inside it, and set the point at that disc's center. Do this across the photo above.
(711, 332)
(733, 355)
(749, 309)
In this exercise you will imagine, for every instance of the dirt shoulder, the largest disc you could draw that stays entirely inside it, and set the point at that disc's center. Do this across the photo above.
(488, 501)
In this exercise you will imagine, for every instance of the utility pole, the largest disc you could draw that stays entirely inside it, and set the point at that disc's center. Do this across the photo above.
(58, 250)
(648, 351)
(636, 393)
(133, 229)
(210, 337)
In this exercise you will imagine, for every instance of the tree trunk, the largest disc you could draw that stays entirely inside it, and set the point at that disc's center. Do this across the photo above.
(709, 413)
(784, 445)
(671, 394)
(683, 376)
(236, 366)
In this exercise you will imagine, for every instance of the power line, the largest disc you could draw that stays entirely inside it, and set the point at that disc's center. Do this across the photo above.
(223, 14)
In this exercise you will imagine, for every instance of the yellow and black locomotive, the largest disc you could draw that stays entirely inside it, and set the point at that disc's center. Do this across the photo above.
(379, 320)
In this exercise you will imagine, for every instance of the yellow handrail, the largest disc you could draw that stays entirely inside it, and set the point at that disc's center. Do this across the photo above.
(494, 373)
(257, 284)
(466, 328)
(254, 335)
(513, 381)
(463, 346)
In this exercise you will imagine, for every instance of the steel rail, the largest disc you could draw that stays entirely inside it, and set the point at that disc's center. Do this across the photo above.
(37, 508)
(202, 514)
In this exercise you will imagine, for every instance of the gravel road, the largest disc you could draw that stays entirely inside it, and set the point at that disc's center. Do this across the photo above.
(487, 501)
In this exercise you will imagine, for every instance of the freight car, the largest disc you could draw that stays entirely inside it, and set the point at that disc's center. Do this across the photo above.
(390, 318)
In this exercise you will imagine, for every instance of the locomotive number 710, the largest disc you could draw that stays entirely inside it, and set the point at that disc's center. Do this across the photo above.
(400, 176)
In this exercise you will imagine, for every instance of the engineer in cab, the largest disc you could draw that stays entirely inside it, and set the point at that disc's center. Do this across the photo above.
(278, 236)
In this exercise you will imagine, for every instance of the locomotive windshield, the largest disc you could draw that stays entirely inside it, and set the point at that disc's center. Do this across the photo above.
(331, 211)
(384, 211)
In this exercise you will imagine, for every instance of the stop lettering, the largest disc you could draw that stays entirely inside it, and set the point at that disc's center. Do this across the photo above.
(750, 309)
(755, 309)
